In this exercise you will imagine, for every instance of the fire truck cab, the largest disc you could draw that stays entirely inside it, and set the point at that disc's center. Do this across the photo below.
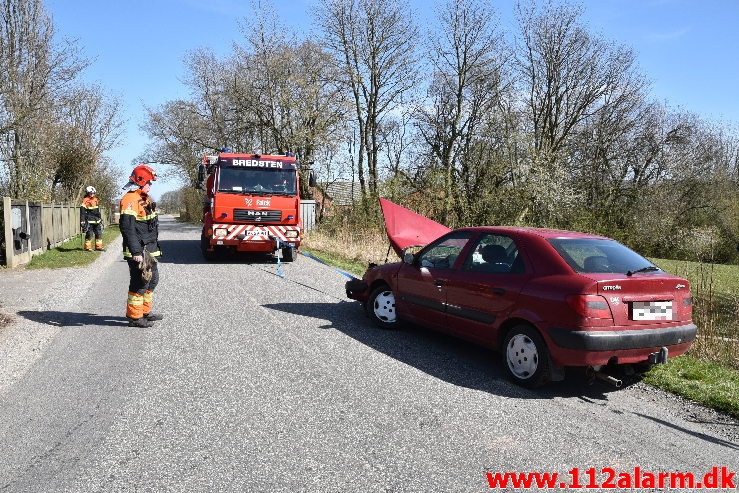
(252, 204)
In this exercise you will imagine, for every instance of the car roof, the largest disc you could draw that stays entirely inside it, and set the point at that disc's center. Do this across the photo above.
(541, 232)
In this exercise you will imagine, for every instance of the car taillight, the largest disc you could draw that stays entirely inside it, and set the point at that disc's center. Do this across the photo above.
(590, 305)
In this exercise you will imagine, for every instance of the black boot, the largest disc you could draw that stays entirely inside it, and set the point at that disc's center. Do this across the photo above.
(153, 317)
(140, 322)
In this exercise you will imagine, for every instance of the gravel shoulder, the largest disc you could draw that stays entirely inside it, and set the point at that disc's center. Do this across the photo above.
(23, 339)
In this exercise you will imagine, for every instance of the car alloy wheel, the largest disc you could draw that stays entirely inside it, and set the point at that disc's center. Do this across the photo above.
(381, 308)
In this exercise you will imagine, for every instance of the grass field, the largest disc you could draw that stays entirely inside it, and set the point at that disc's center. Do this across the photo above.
(715, 290)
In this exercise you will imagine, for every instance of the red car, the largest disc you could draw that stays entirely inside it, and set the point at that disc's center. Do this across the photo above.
(546, 299)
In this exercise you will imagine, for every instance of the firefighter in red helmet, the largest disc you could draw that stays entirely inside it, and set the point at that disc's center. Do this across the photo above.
(139, 227)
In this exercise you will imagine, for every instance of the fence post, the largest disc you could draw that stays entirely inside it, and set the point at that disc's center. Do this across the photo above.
(8, 232)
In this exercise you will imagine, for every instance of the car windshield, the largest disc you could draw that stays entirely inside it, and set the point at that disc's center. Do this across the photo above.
(595, 255)
(258, 181)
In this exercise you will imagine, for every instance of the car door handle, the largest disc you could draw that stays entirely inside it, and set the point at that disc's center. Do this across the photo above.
(498, 291)
(438, 282)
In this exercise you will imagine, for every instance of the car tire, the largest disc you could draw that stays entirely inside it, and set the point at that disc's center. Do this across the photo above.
(380, 308)
(525, 357)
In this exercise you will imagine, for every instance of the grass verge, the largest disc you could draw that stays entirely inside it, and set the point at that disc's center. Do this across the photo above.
(352, 266)
(705, 382)
(71, 253)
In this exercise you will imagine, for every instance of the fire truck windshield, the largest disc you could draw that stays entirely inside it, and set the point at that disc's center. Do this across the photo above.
(257, 181)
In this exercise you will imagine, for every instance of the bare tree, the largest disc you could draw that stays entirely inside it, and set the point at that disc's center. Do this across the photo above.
(180, 135)
(568, 76)
(87, 123)
(295, 96)
(35, 71)
(374, 45)
(468, 82)
(272, 95)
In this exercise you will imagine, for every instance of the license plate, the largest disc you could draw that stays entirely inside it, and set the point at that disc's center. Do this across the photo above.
(256, 233)
(651, 310)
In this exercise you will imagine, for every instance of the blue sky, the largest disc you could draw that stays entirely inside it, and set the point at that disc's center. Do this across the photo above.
(687, 48)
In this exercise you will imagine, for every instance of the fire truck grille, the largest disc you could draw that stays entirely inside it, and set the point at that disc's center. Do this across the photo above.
(256, 216)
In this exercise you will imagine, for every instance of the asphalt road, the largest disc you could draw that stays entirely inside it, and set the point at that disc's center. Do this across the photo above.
(254, 382)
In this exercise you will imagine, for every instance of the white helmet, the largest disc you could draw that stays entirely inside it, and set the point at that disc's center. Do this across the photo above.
(90, 189)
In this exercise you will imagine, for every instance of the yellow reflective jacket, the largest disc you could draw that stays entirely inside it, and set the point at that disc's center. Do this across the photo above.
(139, 224)
(90, 210)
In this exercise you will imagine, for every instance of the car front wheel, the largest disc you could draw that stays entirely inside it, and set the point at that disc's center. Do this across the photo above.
(525, 357)
(381, 308)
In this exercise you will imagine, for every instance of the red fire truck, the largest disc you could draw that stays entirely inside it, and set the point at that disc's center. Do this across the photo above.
(252, 204)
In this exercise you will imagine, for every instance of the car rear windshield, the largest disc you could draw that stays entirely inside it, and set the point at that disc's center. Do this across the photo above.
(594, 255)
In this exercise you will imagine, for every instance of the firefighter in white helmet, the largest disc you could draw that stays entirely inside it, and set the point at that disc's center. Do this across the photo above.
(91, 221)
(139, 226)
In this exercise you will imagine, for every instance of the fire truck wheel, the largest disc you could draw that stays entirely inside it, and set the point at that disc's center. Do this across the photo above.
(288, 254)
(207, 255)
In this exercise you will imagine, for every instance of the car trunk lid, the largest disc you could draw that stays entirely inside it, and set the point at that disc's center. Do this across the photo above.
(645, 299)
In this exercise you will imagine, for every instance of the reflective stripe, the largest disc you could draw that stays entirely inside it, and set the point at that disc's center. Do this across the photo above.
(139, 218)
(127, 253)
(135, 305)
(148, 298)
(135, 299)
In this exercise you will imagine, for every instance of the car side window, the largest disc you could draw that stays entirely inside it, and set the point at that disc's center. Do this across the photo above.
(443, 255)
(495, 254)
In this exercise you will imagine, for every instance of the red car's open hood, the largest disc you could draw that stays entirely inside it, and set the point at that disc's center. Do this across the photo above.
(406, 228)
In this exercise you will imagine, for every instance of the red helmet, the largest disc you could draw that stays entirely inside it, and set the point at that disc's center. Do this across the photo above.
(142, 174)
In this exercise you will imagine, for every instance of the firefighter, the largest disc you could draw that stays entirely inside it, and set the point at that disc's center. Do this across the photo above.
(139, 226)
(91, 221)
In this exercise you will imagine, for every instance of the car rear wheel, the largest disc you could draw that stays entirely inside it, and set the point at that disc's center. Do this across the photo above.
(381, 308)
(526, 357)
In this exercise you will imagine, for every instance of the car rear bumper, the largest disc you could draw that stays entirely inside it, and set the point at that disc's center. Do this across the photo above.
(616, 340)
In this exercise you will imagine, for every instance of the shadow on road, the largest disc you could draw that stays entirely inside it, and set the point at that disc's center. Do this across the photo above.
(444, 357)
(702, 436)
(188, 252)
(71, 319)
